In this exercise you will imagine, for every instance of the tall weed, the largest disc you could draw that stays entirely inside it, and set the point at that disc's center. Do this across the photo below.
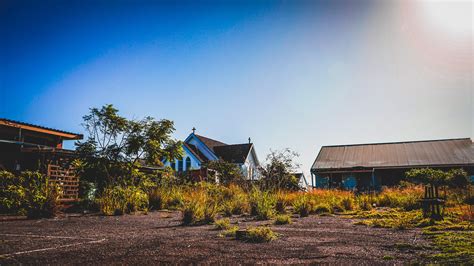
(262, 204)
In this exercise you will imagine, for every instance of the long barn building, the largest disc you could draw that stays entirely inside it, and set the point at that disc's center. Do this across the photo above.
(371, 166)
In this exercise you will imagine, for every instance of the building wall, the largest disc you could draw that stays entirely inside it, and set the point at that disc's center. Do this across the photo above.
(203, 148)
(380, 178)
(195, 164)
(250, 168)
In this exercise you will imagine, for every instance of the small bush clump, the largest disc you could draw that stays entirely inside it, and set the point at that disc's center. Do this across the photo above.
(222, 224)
(282, 219)
(258, 234)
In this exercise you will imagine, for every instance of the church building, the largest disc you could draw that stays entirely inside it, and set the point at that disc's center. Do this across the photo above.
(198, 150)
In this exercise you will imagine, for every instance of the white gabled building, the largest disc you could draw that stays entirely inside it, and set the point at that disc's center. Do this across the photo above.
(198, 150)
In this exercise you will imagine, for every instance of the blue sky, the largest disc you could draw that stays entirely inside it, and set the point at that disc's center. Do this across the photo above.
(286, 73)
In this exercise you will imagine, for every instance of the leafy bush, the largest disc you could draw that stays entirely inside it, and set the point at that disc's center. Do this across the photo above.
(262, 204)
(226, 173)
(42, 197)
(30, 192)
(118, 200)
(282, 219)
(258, 234)
(12, 192)
(136, 199)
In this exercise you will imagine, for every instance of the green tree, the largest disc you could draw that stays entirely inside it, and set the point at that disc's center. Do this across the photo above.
(457, 178)
(454, 178)
(227, 172)
(117, 147)
(278, 170)
(433, 181)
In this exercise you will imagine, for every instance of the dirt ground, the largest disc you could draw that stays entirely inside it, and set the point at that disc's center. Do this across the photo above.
(159, 237)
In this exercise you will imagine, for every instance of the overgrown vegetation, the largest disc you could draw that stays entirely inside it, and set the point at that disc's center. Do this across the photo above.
(118, 200)
(28, 193)
(452, 237)
(114, 152)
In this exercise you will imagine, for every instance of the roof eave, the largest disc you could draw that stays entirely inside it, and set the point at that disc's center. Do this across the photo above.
(63, 134)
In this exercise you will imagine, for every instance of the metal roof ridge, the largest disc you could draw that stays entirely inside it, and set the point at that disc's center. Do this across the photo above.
(396, 142)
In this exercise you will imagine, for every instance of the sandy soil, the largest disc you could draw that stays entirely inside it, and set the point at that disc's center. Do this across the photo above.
(159, 237)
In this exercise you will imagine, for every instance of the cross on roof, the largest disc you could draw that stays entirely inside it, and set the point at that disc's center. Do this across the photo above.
(194, 130)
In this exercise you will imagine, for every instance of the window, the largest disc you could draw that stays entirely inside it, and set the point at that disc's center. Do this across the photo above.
(188, 164)
(173, 165)
(180, 166)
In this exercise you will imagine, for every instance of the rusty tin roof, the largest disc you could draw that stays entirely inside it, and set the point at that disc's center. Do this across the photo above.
(396, 154)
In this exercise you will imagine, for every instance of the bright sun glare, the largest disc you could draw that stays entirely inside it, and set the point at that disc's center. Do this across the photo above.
(453, 18)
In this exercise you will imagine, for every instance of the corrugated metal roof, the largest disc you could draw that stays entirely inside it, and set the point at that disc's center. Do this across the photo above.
(13, 123)
(397, 154)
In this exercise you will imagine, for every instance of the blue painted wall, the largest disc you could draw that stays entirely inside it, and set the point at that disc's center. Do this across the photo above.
(192, 139)
(195, 164)
(349, 182)
(322, 182)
